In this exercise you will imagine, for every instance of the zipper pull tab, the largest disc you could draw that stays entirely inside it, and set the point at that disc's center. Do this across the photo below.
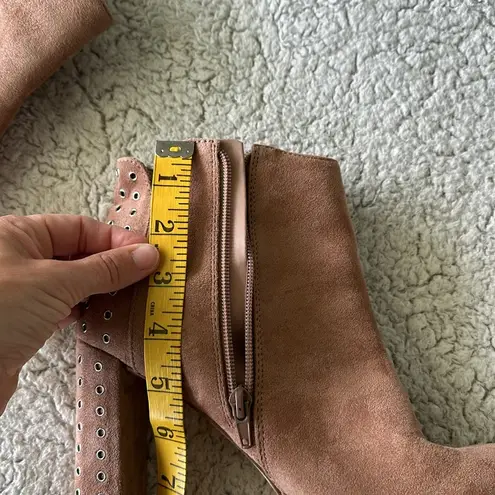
(240, 402)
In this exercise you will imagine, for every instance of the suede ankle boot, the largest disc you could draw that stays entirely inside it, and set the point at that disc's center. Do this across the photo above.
(280, 348)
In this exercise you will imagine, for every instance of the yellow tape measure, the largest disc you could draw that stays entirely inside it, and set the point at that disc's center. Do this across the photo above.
(169, 217)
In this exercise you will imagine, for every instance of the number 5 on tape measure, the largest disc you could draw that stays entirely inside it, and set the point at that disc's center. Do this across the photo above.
(169, 217)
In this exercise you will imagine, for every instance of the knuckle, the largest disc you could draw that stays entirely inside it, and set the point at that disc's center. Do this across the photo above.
(11, 219)
(111, 269)
(9, 222)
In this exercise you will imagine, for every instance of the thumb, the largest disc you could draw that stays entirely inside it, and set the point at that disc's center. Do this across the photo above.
(115, 269)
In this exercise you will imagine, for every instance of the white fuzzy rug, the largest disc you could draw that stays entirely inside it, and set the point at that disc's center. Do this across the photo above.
(400, 91)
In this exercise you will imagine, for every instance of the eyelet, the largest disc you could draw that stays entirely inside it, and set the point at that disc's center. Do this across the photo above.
(77, 492)
(79, 359)
(118, 208)
(136, 196)
(86, 304)
(107, 314)
(80, 381)
(122, 193)
(79, 404)
(100, 432)
(110, 222)
(100, 411)
(106, 338)
(79, 426)
(112, 293)
(101, 476)
(100, 390)
(78, 448)
(133, 212)
(100, 454)
(117, 172)
(78, 471)
(84, 327)
(98, 366)
(132, 176)
(127, 227)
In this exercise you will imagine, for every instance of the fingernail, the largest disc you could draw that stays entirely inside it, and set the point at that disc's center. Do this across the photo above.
(145, 256)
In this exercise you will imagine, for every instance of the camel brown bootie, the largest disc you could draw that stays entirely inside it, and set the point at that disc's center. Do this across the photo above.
(36, 36)
(280, 348)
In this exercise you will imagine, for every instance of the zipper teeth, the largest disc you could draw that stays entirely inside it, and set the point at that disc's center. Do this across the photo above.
(248, 304)
(225, 242)
(248, 321)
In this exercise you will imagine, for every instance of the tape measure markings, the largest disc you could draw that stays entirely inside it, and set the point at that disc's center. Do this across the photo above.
(164, 312)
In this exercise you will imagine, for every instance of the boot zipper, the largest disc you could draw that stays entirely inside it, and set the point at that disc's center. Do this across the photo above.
(239, 395)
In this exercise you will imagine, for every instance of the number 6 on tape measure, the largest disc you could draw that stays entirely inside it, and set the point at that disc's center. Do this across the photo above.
(169, 221)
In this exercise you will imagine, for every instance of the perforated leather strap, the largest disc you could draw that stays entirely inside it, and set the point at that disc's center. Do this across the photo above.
(111, 426)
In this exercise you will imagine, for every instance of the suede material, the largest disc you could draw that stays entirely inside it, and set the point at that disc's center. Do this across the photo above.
(107, 334)
(123, 341)
(204, 381)
(35, 38)
(331, 415)
(114, 461)
(121, 336)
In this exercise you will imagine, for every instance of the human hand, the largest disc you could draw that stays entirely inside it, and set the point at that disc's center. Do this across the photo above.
(40, 287)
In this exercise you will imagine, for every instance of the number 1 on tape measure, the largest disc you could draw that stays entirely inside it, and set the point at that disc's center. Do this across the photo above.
(169, 217)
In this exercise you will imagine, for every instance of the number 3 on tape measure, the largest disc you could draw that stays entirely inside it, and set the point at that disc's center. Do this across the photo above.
(169, 221)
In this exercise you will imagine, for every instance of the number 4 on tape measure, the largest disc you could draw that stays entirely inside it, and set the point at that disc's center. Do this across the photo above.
(169, 220)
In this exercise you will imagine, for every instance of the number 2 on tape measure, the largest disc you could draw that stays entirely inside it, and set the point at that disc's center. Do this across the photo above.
(169, 217)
